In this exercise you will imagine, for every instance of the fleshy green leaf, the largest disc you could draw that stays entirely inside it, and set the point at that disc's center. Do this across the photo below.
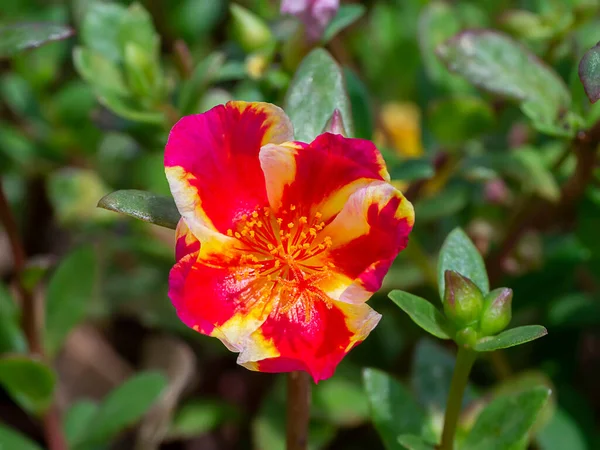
(423, 313)
(11, 336)
(15, 38)
(438, 22)
(99, 71)
(346, 16)
(130, 109)
(362, 112)
(460, 255)
(124, 406)
(510, 338)
(431, 373)
(69, 292)
(100, 29)
(28, 381)
(13, 440)
(412, 169)
(505, 422)
(200, 416)
(143, 205)
(79, 421)
(316, 90)
(496, 63)
(412, 442)
(589, 73)
(393, 410)
(561, 432)
(193, 89)
(341, 400)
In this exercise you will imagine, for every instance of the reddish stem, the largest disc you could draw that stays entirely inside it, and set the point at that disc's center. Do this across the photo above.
(31, 315)
(298, 410)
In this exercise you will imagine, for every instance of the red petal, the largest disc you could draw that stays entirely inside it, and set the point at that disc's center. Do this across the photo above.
(212, 164)
(288, 342)
(321, 175)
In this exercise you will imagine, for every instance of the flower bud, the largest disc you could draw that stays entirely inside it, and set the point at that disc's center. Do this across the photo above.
(335, 124)
(463, 300)
(467, 337)
(496, 311)
(249, 30)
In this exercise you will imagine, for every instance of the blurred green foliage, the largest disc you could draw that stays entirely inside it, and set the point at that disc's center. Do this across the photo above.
(479, 111)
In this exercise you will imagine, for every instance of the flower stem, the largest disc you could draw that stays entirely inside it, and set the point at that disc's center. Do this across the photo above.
(464, 362)
(30, 318)
(298, 410)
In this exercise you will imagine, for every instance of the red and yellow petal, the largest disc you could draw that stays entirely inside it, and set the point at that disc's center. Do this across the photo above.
(286, 342)
(219, 300)
(320, 176)
(185, 241)
(212, 164)
(366, 236)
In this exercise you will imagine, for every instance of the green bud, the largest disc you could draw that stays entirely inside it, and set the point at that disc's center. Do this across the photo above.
(463, 301)
(467, 337)
(249, 30)
(497, 311)
(335, 124)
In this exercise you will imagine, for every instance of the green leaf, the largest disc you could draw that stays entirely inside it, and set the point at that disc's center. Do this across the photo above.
(505, 422)
(456, 120)
(124, 406)
(316, 90)
(13, 440)
(129, 109)
(537, 178)
(460, 255)
(28, 381)
(346, 16)
(73, 192)
(100, 72)
(143, 205)
(79, 421)
(136, 27)
(431, 373)
(562, 432)
(510, 338)
(446, 203)
(12, 339)
(341, 400)
(193, 89)
(438, 22)
(15, 38)
(589, 73)
(423, 313)
(362, 112)
(412, 169)
(70, 290)
(393, 410)
(100, 29)
(412, 442)
(496, 63)
(200, 416)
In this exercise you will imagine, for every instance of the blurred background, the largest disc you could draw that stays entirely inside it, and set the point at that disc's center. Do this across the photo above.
(90, 114)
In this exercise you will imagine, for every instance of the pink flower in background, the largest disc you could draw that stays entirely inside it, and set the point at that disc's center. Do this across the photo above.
(315, 14)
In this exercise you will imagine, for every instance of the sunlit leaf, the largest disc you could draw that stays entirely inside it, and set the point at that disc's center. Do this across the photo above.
(28, 381)
(143, 205)
(15, 38)
(423, 313)
(510, 338)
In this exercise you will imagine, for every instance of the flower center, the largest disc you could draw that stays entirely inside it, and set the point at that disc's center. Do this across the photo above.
(282, 252)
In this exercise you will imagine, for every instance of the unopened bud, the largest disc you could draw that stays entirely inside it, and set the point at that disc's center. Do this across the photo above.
(467, 337)
(249, 30)
(335, 124)
(463, 301)
(497, 311)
